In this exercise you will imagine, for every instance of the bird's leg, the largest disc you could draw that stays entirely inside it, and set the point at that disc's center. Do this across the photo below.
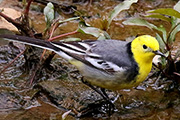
(111, 105)
(102, 92)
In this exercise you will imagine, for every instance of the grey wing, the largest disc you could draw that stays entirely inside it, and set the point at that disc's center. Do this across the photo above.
(106, 55)
(114, 51)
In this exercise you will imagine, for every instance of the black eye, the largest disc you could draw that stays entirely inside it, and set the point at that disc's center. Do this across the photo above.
(144, 46)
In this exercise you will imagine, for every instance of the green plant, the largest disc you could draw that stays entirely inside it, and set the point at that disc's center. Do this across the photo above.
(84, 27)
(101, 34)
(165, 37)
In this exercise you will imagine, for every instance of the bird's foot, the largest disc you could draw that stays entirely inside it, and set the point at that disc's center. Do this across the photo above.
(99, 108)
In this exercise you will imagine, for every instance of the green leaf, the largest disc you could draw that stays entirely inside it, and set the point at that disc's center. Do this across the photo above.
(163, 60)
(98, 33)
(49, 13)
(161, 43)
(142, 22)
(139, 22)
(70, 39)
(164, 33)
(166, 11)
(174, 22)
(158, 16)
(120, 7)
(69, 19)
(104, 36)
(173, 34)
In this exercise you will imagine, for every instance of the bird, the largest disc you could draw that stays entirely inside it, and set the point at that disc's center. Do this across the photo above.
(107, 64)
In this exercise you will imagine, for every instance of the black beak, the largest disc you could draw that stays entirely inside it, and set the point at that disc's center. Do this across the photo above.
(157, 52)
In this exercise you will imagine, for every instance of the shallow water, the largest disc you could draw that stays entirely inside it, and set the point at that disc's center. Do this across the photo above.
(152, 100)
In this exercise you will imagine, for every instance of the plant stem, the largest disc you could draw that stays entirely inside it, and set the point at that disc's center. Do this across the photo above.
(63, 35)
(26, 11)
(12, 61)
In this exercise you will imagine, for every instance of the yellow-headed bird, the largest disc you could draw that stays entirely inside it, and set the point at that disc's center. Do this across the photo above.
(110, 64)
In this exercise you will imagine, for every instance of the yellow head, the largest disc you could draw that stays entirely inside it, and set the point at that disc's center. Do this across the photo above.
(144, 48)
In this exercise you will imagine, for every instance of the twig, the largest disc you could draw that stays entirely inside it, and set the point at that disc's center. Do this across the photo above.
(50, 36)
(14, 22)
(21, 23)
(34, 73)
(26, 11)
(42, 55)
(52, 54)
(12, 61)
(63, 35)
(161, 70)
(178, 74)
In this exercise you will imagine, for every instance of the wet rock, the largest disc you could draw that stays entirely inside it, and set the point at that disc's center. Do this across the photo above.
(9, 101)
(74, 96)
(67, 93)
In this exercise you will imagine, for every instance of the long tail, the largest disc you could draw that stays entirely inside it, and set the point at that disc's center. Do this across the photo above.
(38, 43)
(31, 41)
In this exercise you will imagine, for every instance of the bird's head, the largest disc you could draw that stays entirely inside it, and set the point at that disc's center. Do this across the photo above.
(145, 47)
